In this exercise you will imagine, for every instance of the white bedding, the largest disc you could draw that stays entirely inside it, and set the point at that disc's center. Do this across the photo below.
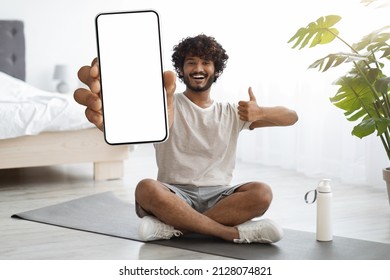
(26, 110)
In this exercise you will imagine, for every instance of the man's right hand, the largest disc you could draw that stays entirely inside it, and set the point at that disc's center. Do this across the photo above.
(91, 97)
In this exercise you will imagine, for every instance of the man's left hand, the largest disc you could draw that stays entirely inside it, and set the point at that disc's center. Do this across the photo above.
(249, 110)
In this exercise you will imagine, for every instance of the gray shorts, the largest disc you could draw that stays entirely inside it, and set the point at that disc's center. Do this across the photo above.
(199, 198)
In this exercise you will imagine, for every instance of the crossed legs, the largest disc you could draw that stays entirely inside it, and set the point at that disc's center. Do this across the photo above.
(247, 202)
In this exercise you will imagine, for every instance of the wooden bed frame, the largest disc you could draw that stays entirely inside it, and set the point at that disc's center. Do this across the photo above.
(51, 148)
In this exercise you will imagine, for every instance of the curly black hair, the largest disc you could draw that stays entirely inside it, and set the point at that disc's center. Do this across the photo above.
(202, 46)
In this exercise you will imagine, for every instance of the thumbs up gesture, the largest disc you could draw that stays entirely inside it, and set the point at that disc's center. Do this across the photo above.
(249, 110)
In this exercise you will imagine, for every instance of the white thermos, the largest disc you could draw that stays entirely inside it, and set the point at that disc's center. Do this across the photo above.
(323, 198)
(324, 211)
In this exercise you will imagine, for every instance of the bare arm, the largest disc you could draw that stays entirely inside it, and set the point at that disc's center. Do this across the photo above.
(265, 116)
(170, 87)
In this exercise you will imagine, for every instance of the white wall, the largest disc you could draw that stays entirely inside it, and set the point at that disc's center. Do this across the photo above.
(56, 32)
(255, 35)
(62, 31)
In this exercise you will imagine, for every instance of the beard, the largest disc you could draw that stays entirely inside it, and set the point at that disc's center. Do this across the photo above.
(199, 88)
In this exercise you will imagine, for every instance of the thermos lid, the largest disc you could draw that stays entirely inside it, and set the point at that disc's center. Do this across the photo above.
(324, 186)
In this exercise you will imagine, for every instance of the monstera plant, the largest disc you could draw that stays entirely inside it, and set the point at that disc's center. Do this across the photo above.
(363, 92)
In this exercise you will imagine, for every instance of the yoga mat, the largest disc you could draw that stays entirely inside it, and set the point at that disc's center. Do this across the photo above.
(104, 213)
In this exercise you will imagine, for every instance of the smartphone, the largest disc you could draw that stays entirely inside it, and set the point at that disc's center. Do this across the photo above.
(131, 76)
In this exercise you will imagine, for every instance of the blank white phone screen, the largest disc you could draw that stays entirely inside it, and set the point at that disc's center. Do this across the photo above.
(131, 73)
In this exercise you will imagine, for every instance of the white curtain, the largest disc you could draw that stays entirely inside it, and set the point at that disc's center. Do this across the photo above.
(255, 35)
(320, 144)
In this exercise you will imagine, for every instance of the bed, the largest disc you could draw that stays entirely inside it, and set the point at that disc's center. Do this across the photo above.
(40, 128)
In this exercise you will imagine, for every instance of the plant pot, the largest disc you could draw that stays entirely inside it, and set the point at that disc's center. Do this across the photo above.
(386, 177)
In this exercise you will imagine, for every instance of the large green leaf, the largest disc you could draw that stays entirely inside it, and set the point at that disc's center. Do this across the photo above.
(382, 85)
(365, 128)
(358, 114)
(317, 32)
(374, 41)
(369, 125)
(335, 59)
(382, 125)
(354, 97)
(386, 52)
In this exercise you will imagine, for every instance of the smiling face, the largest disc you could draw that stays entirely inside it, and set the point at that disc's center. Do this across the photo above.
(204, 48)
(198, 74)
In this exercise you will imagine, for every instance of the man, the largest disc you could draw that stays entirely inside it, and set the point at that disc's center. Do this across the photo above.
(192, 192)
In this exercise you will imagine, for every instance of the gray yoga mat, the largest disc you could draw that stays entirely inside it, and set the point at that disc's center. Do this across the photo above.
(106, 214)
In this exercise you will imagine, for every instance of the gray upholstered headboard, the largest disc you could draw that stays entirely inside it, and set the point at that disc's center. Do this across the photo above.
(12, 48)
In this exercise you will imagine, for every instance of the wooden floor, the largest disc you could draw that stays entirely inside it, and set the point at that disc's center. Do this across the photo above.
(361, 212)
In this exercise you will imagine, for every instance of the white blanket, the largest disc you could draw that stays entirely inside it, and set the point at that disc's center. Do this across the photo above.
(26, 110)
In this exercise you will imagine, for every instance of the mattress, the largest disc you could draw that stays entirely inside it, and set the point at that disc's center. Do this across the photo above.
(27, 110)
